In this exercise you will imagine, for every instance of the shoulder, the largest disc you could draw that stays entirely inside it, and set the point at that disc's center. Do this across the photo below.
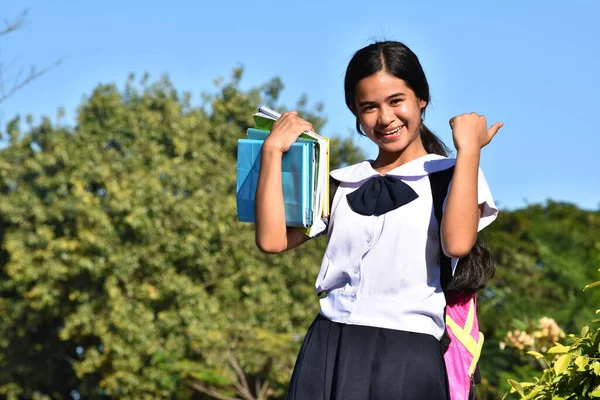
(424, 166)
(444, 165)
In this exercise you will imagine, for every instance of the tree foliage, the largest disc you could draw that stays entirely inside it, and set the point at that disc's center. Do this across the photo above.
(570, 370)
(124, 271)
(546, 255)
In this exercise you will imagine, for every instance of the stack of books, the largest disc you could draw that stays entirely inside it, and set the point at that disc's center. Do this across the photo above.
(305, 175)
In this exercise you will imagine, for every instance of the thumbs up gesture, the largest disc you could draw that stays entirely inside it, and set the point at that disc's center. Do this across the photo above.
(471, 133)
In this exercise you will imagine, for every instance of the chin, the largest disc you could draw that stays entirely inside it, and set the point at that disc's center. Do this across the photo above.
(394, 147)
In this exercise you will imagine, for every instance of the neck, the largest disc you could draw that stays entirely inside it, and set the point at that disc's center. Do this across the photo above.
(387, 161)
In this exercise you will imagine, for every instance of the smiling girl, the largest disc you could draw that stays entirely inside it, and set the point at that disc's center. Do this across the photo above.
(378, 333)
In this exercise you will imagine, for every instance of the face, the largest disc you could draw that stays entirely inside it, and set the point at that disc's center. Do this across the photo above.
(390, 113)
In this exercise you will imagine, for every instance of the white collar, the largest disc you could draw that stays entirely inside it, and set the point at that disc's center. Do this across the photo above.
(421, 166)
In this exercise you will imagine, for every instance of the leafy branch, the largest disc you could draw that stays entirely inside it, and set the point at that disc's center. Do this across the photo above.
(573, 370)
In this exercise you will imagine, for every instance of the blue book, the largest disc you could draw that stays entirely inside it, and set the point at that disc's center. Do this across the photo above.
(298, 177)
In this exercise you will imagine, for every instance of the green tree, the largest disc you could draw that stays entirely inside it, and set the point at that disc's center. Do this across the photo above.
(546, 254)
(124, 272)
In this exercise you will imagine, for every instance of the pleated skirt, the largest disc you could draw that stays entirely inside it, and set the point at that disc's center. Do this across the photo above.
(353, 362)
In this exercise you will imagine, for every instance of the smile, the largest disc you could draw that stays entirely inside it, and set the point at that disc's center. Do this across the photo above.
(387, 134)
(391, 132)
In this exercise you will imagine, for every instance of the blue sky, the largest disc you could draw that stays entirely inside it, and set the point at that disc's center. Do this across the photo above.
(531, 64)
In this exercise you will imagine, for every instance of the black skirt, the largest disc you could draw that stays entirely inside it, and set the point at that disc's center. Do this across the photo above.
(353, 362)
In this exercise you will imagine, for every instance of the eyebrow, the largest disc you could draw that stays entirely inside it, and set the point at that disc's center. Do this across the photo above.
(366, 103)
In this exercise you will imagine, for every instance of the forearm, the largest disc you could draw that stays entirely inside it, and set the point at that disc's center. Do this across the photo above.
(269, 206)
(461, 216)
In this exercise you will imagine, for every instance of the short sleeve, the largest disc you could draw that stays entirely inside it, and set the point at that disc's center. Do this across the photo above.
(484, 197)
(485, 200)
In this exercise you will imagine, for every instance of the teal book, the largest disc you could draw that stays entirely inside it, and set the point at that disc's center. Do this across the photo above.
(298, 177)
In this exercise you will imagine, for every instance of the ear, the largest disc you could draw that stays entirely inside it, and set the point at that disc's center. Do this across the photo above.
(422, 104)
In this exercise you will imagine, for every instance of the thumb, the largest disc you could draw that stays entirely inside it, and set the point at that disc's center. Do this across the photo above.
(494, 129)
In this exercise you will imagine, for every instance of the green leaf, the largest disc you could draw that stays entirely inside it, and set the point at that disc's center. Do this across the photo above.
(596, 366)
(585, 330)
(558, 349)
(533, 393)
(591, 285)
(582, 361)
(535, 354)
(517, 386)
(562, 364)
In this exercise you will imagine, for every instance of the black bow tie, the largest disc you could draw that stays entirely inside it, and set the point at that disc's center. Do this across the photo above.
(379, 195)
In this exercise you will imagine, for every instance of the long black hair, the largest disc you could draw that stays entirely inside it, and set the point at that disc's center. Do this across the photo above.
(396, 59)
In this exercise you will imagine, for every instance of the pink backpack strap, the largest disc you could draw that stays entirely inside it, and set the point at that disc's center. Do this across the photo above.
(465, 346)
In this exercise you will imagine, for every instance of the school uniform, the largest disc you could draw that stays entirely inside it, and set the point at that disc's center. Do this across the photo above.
(382, 305)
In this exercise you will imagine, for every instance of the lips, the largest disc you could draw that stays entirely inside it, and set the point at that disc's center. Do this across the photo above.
(390, 134)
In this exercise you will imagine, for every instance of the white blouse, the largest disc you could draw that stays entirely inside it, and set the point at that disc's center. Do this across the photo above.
(383, 271)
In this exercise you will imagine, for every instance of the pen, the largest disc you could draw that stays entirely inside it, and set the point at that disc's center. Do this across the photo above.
(268, 112)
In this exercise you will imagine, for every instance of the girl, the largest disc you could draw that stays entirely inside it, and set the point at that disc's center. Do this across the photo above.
(382, 306)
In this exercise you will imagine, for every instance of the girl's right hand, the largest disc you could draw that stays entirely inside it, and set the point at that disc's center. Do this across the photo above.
(286, 131)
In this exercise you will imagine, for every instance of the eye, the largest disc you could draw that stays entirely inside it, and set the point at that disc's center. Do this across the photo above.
(368, 108)
(395, 102)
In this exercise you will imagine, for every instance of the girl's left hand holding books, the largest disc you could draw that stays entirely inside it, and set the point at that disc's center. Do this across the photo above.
(286, 131)
(470, 132)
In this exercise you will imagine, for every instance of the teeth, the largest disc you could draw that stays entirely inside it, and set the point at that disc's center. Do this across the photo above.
(391, 132)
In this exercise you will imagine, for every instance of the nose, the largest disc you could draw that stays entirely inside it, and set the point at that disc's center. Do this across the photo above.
(386, 116)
